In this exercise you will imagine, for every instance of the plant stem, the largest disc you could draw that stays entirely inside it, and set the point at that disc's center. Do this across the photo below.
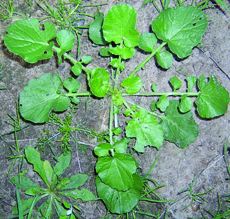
(111, 123)
(78, 94)
(147, 59)
(191, 94)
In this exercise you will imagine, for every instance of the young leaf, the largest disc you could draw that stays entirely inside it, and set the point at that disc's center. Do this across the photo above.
(65, 40)
(121, 146)
(61, 103)
(38, 98)
(179, 128)
(102, 149)
(164, 59)
(191, 81)
(125, 52)
(175, 82)
(120, 202)
(132, 85)
(117, 171)
(163, 103)
(213, 99)
(99, 82)
(77, 68)
(181, 27)
(95, 30)
(71, 84)
(119, 25)
(147, 42)
(33, 157)
(186, 104)
(86, 59)
(26, 39)
(146, 129)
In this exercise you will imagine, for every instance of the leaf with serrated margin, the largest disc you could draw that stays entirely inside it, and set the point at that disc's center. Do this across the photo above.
(117, 171)
(26, 39)
(179, 128)
(119, 25)
(181, 27)
(146, 129)
(213, 99)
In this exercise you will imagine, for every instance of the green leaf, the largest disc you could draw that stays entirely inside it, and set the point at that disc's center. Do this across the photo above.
(26, 39)
(181, 27)
(164, 59)
(61, 103)
(191, 81)
(62, 163)
(121, 146)
(95, 30)
(86, 59)
(146, 129)
(102, 149)
(76, 181)
(179, 128)
(117, 131)
(147, 42)
(117, 171)
(119, 25)
(186, 104)
(25, 205)
(117, 99)
(132, 85)
(163, 103)
(65, 40)
(120, 202)
(23, 182)
(105, 52)
(71, 84)
(201, 82)
(175, 82)
(33, 157)
(213, 99)
(84, 194)
(40, 97)
(77, 68)
(124, 52)
(99, 82)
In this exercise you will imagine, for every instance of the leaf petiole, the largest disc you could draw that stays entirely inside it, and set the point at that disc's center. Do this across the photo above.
(142, 65)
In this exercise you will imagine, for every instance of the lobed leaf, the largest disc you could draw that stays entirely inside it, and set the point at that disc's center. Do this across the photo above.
(181, 28)
(120, 202)
(119, 25)
(146, 129)
(39, 98)
(179, 128)
(26, 39)
(213, 99)
(117, 171)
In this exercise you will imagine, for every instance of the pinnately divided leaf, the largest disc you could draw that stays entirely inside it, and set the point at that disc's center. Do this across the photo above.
(181, 27)
(26, 39)
(146, 129)
(40, 96)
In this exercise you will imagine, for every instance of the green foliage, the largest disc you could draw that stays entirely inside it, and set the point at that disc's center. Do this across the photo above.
(184, 32)
(33, 44)
(56, 190)
(118, 181)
